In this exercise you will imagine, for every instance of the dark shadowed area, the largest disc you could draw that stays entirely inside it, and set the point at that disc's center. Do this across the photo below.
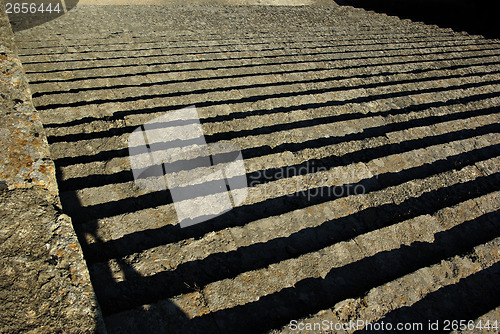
(475, 17)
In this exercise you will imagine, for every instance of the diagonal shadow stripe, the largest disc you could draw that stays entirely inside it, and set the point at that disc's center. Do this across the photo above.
(470, 298)
(146, 290)
(293, 147)
(127, 176)
(289, 125)
(314, 294)
(240, 216)
(240, 66)
(153, 199)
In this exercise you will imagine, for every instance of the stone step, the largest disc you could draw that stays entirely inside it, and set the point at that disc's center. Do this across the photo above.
(304, 279)
(327, 81)
(247, 42)
(162, 58)
(194, 265)
(299, 119)
(415, 292)
(370, 145)
(409, 125)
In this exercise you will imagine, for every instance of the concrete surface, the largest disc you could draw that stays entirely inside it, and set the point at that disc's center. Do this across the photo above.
(321, 100)
(44, 282)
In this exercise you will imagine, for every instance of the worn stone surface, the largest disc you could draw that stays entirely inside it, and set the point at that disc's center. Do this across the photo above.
(45, 286)
(44, 282)
(25, 156)
(371, 145)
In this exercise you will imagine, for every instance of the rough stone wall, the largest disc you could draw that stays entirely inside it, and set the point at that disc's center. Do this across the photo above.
(44, 281)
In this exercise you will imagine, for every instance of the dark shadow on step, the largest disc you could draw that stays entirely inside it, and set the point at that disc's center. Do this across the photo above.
(260, 255)
(444, 109)
(162, 197)
(136, 290)
(354, 280)
(473, 16)
(292, 125)
(164, 317)
(468, 299)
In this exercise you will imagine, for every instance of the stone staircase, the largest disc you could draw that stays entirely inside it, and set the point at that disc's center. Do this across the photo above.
(374, 142)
